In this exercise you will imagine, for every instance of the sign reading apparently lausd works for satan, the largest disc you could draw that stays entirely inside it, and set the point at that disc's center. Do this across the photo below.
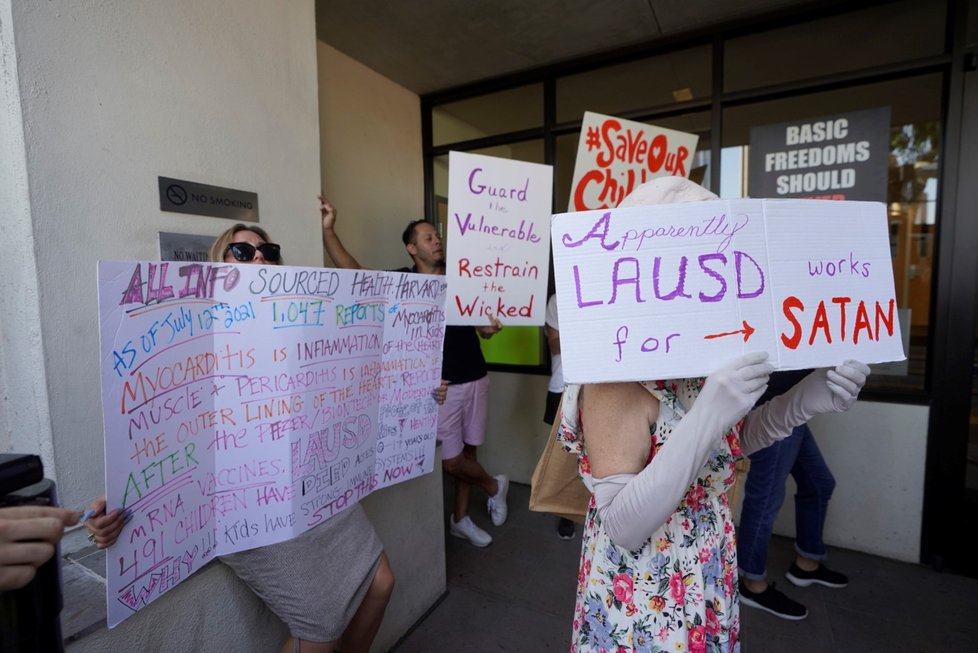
(677, 290)
(245, 404)
(498, 253)
(615, 155)
(840, 157)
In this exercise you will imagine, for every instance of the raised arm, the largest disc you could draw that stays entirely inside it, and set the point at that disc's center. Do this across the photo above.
(334, 246)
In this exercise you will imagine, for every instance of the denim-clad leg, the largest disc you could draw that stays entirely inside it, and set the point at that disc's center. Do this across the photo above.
(763, 495)
(815, 485)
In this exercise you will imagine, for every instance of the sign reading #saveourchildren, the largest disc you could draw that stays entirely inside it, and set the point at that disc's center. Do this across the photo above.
(676, 290)
(614, 156)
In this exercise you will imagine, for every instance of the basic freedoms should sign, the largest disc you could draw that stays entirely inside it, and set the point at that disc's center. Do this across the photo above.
(498, 221)
(614, 156)
(840, 157)
(676, 290)
(246, 404)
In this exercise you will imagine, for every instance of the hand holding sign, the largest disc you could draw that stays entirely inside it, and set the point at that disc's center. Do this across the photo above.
(680, 286)
(733, 389)
(494, 327)
(830, 390)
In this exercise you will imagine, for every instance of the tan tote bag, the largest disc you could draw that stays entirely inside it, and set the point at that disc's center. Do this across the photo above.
(556, 487)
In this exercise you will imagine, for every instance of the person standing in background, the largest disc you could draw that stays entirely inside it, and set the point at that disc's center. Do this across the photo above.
(764, 494)
(555, 389)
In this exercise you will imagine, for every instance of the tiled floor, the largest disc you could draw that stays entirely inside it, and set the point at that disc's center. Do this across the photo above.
(518, 595)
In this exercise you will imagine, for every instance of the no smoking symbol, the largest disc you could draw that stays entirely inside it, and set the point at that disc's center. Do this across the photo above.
(176, 194)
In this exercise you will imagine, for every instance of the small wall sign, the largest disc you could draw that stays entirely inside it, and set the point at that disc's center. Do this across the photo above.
(181, 196)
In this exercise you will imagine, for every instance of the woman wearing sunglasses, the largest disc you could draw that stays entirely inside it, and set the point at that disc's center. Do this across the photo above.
(244, 244)
(331, 584)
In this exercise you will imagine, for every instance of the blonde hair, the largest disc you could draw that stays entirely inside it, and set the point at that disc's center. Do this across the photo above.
(220, 246)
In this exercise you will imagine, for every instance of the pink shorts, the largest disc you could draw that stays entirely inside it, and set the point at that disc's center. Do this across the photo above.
(462, 418)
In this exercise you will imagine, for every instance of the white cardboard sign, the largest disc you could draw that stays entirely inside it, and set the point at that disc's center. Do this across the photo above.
(614, 156)
(677, 290)
(498, 219)
(245, 404)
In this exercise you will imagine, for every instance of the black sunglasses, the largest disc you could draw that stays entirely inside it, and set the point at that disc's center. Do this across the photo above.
(245, 252)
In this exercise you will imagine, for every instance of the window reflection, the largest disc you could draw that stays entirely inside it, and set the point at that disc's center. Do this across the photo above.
(488, 115)
(911, 194)
(657, 81)
(900, 31)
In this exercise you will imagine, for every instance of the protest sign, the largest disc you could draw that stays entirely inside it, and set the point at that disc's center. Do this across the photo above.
(498, 218)
(676, 290)
(246, 404)
(615, 155)
(839, 157)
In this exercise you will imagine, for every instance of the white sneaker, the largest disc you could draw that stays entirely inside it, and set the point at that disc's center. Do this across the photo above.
(497, 504)
(467, 530)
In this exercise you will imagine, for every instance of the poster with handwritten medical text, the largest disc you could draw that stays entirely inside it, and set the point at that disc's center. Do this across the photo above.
(677, 290)
(614, 156)
(245, 404)
(498, 253)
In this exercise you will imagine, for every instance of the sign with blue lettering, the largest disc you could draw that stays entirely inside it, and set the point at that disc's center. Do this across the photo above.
(181, 196)
(245, 404)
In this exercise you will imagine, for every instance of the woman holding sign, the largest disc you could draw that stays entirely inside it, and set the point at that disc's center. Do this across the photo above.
(659, 562)
(330, 584)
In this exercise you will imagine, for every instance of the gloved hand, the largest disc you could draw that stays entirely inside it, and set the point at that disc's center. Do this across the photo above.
(633, 506)
(822, 391)
(733, 389)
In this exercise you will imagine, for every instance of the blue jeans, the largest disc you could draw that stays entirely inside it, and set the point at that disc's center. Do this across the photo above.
(764, 491)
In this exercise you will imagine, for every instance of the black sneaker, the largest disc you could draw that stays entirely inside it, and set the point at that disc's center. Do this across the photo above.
(774, 602)
(565, 529)
(823, 576)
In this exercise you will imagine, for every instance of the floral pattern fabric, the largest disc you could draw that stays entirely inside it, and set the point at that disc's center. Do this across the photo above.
(677, 592)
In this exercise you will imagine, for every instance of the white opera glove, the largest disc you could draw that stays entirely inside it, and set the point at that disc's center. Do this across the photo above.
(823, 391)
(633, 506)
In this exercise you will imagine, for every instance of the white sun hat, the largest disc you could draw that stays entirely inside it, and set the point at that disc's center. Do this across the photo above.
(667, 190)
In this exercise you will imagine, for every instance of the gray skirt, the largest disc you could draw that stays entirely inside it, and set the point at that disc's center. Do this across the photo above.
(316, 581)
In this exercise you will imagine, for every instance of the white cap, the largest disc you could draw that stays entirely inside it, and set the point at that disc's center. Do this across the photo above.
(667, 190)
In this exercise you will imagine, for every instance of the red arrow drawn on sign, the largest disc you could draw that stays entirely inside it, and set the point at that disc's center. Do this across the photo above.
(748, 330)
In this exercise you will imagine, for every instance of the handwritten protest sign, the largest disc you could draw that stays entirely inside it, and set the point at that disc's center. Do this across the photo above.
(499, 212)
(246, 404)
(676, 290)
(615, 155)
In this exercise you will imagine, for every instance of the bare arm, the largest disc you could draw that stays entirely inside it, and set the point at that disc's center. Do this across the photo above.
(553, 339)
(617, 418)
(334, 246)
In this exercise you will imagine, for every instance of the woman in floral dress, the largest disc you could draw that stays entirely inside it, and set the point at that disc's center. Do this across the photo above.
(659, 560)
